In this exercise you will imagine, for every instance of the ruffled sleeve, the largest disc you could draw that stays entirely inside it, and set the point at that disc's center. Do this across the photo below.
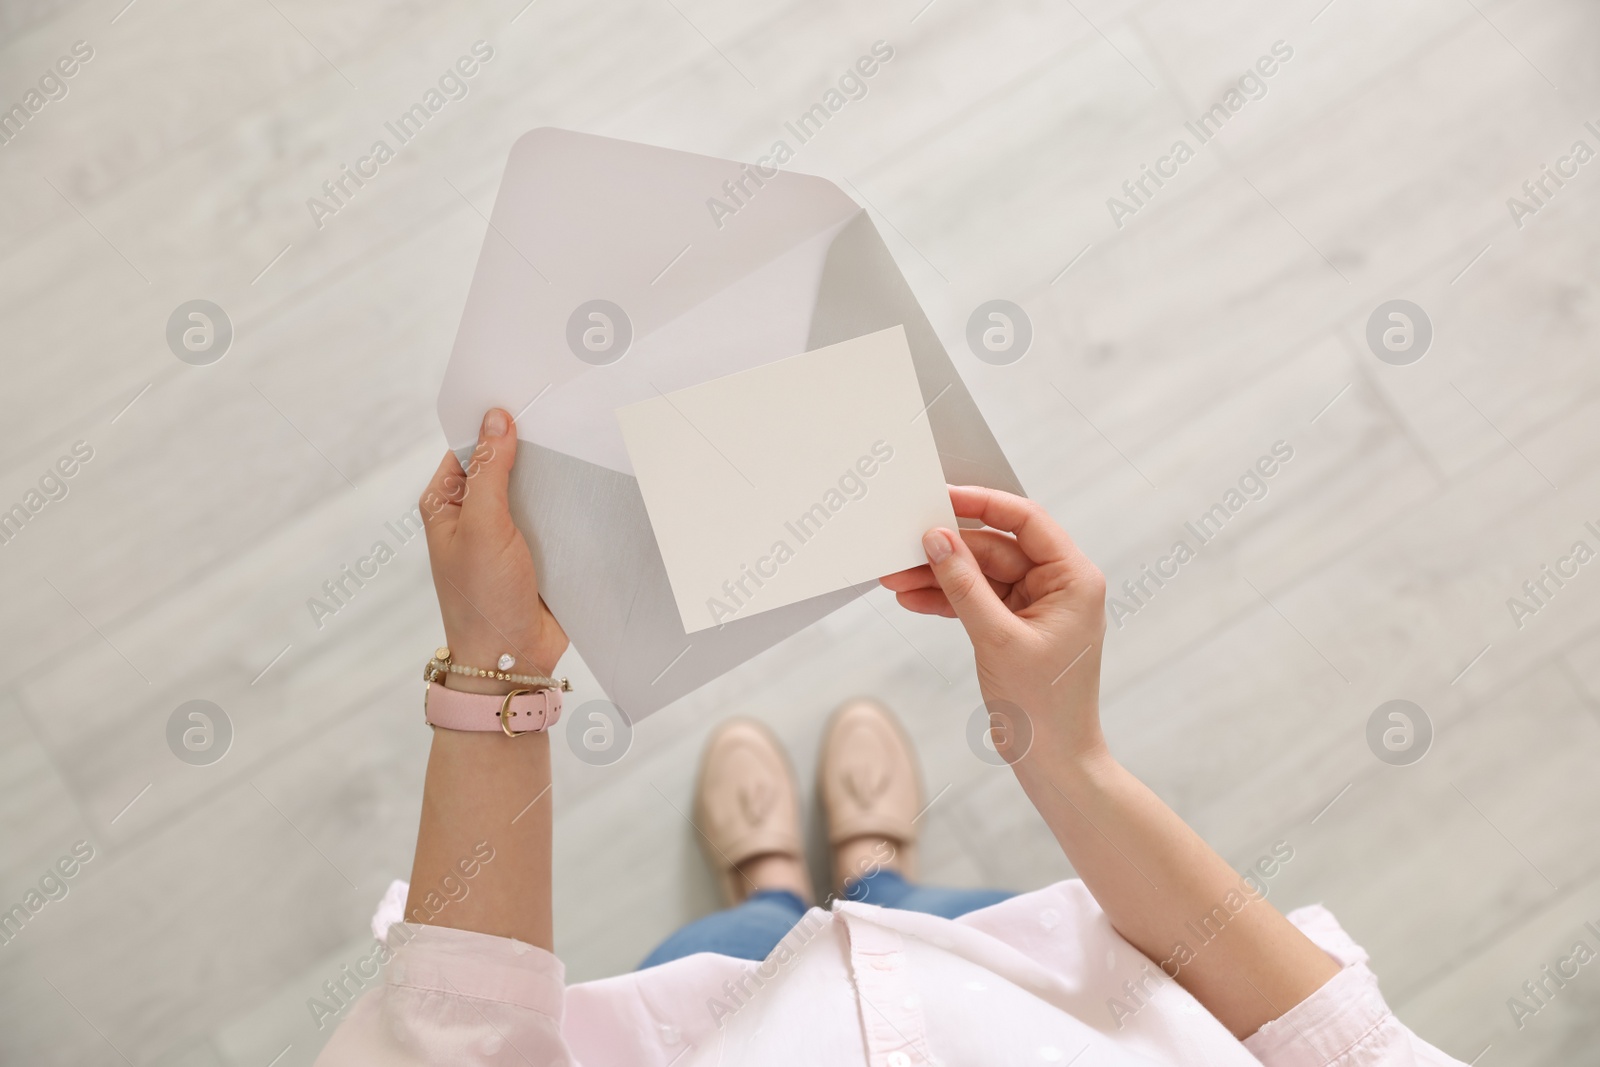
(1346, 1023)
(456, 997)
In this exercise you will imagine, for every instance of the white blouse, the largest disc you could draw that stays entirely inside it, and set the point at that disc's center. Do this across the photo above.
(1041, 978)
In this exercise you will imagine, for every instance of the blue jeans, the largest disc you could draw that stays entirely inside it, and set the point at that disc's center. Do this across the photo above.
(753, 929)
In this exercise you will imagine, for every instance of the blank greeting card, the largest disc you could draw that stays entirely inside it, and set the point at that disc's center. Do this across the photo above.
(796, 478)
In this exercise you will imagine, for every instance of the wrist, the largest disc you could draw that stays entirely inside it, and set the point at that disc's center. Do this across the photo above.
(1059, 789)
(529, 655)
(1067, 766)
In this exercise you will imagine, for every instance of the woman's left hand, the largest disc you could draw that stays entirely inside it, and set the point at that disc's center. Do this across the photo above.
(482, 569)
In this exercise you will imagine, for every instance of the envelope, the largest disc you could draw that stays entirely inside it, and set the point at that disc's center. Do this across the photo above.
(789, 480)
(612, 272)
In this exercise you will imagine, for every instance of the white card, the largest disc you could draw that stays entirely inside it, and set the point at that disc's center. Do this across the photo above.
(790, 480)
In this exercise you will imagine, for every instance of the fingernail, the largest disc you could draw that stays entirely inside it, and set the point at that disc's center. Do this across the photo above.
(494, 423)
(936, 546)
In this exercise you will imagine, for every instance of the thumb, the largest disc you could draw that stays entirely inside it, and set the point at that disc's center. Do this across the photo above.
(489, 469)
(964, 584)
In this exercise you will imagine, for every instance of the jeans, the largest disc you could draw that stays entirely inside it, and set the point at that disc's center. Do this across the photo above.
(750, 931)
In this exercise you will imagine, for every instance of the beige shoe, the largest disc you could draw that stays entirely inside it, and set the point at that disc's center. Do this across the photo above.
(747, 804)
(867, 779)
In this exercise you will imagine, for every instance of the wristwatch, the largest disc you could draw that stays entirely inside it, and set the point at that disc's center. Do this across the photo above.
(521, 711)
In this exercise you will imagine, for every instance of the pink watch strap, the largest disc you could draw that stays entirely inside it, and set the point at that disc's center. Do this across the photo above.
(521, 712)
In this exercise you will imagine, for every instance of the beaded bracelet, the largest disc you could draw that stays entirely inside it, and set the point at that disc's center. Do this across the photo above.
(440, 665)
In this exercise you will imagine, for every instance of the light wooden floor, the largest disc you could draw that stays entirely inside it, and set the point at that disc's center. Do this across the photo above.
(1225, 316)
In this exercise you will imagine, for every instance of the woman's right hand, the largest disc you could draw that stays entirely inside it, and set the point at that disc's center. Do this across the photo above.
(1034, 608)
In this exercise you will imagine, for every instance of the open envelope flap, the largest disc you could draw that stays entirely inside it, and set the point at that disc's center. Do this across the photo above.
(602, 576)
(763, 315)
(862, 291)
(581, 218)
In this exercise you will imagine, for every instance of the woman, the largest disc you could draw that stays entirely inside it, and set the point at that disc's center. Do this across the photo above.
(1160, 954)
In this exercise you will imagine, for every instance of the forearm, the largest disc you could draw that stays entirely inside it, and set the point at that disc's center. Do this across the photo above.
(486, 793)
(485, 790)
(1171, 896)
